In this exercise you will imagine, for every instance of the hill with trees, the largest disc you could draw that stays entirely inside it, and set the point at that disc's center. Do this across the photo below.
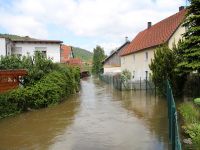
(83, 54)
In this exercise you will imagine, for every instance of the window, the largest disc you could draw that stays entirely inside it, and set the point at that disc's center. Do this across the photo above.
(17, 51)
(44, 53)
(146, 56)
(133, 74)
(133, 57)
(43, 50)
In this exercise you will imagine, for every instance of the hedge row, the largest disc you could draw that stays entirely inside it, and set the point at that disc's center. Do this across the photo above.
(51, 89)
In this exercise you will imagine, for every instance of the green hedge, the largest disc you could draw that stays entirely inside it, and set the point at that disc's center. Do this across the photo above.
(51, 89)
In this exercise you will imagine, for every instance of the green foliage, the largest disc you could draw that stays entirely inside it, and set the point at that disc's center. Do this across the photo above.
(15, 37)
(189, 113)
(83, 54)
(193, 131)
(163, 68)
(125, 75)
(191, 118)
(190, 47)
(37, 66)
(51, 89)
(98, 57)
(197, 101)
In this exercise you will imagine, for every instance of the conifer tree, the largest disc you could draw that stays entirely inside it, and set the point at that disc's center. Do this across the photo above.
(190, 47)
(98, 57)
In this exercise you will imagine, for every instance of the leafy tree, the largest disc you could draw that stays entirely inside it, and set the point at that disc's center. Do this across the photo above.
(98, 57)
(191, 45)
(163, 67)
(37, 66)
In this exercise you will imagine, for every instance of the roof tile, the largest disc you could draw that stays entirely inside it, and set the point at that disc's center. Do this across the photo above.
(156, 34)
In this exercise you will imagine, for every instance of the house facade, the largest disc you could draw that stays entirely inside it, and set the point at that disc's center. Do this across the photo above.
(112, 64)
(66, 53)
(26, 45)
(138, 55)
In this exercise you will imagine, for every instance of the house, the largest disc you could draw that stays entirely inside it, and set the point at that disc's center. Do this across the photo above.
(66, 53)
(112, 64)
(67, 56)
(10, 45)
(138, 54)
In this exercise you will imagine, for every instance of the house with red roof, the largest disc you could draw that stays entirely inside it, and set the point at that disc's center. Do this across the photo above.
(138, 54)
(67, 57)
(66, 53)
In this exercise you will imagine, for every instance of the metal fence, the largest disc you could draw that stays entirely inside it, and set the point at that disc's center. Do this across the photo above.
(173, 121)
(116, 81)
(113, 80)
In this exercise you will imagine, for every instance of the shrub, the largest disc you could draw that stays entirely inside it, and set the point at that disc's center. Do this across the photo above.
(197, 101)
(189, 113)
(193, 131)
(125, 75)
(37, 66)
(51, 89)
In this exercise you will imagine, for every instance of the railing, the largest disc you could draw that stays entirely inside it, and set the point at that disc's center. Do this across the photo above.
(173, 121)
(114, 80)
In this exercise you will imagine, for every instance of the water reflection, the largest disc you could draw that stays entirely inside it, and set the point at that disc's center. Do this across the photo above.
(98, 118)
(37, 130)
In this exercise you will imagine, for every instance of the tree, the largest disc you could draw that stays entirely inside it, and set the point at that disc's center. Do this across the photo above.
(190, 47)
(98, 57)
(163, 67)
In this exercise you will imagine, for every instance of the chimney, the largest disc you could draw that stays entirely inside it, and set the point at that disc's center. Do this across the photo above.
(126, 39)
(181, 8)
(149, 25)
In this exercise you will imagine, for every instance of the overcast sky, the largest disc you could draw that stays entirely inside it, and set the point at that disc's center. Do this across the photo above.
(83, 23)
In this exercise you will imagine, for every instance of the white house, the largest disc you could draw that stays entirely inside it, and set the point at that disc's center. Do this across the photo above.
(27, 45)
(137, 56)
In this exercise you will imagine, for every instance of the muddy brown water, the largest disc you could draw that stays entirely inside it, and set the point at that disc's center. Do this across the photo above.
(97, 118)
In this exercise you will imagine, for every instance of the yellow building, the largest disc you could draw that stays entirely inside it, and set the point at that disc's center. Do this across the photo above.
(137, 56)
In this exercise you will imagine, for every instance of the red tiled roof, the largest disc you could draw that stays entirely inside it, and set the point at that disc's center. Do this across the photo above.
(157, 34)
(75, 61)
(65, 53)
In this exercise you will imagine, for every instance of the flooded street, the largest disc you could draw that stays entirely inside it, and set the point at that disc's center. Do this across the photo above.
(97, 118)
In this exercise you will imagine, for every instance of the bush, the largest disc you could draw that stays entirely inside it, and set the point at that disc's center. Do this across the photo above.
(191, 116)
(125, 75)
(193, 131)
(37, 66)
(197, 101)
(51, 89)
(189, 113)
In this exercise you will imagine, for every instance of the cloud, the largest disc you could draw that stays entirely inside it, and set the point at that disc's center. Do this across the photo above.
(108, 21)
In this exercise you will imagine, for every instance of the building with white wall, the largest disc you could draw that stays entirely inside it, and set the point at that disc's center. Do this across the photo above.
(27, 46)
(138, 55)
(112, 64)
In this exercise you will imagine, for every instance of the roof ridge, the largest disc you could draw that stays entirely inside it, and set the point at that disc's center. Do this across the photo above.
(157, 34)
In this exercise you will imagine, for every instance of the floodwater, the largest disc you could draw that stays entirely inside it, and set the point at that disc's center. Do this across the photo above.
(97, 118)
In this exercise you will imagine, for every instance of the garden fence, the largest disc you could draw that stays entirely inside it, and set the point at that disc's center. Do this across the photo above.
(173, 121)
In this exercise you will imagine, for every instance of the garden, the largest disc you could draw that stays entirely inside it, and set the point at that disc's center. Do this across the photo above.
(46, 84)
